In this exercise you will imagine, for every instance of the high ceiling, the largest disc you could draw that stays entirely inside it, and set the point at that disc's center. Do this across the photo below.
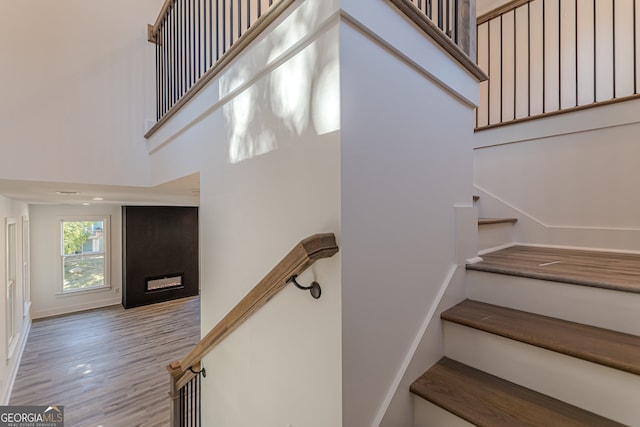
(184, 191)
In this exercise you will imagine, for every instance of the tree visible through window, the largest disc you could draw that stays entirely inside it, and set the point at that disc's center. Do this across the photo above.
(83, 255)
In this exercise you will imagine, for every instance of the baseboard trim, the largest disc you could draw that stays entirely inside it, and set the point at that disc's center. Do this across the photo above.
(414, 345)
(40, 314)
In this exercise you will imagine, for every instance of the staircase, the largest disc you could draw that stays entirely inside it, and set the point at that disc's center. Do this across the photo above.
(547, 337)
(494, 232)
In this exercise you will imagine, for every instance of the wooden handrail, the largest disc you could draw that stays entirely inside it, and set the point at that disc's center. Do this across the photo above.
(426, 25)
(301, 257)
(505, 8)
(168, 4)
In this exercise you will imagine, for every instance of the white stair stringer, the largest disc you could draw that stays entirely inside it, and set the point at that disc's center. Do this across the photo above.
(426, 414)
(599, 389)
(495, 236)
(604, 308)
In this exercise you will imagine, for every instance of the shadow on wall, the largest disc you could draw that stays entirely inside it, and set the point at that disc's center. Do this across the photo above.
(301, 93)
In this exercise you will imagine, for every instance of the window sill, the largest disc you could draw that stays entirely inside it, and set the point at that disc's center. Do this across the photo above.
(76, 292)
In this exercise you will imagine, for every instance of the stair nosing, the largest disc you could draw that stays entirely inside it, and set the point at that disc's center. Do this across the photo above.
(614, 339)
(490, 221)
(551, 278)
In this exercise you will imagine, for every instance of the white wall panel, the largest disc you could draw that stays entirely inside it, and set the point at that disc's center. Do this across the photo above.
(508, 66)
(522, 62)
(81, 90)
(624, 48)
(604, 50)
(573, 176)
(551, 57)
(586, 56)
(483, 62)
(567, 53)
(537, 62)
(495, 71)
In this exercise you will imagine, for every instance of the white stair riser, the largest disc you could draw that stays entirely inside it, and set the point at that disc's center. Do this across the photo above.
(582, 304)
(596, 388)
(495, 235)
(426, 414)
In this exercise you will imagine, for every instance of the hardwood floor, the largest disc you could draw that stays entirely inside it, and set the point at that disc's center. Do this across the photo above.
(108, 366)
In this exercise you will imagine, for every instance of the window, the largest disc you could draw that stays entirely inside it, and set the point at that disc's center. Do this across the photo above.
(85, 261)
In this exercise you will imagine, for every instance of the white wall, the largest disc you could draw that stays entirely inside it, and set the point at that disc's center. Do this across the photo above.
(9, 366)
(265, 139)
(45, 260)
(80, 88)
(406, 162)
(571, 179)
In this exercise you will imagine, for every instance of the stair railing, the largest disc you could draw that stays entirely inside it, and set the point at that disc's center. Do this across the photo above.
(451, 24)
(185, 374)
(547, 57)
(195, 39)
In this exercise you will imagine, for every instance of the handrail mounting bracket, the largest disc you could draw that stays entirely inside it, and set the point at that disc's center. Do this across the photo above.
(314, 289)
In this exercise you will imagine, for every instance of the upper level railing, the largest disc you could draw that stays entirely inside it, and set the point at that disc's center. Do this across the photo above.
(455, 18)
(546, 57)
(184, 390)
(449, 23)
(195, 39)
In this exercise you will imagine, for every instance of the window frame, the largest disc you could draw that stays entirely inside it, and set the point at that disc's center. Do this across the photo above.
(106, 252)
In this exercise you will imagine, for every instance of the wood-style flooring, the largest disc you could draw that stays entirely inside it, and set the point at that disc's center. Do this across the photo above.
(608, 270)
(107, 366)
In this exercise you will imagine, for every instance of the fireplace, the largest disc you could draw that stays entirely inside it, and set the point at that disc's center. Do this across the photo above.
(164, 283)
(160, 254)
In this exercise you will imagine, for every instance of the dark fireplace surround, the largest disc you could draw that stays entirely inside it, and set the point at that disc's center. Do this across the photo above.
(159, 254)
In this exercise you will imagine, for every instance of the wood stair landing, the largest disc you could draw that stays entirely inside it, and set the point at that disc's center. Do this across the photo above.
(486, 400)
(602, 346)
(609, 270)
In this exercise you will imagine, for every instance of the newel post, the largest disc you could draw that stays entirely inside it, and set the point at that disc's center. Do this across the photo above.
(175, 372)
(467, 29)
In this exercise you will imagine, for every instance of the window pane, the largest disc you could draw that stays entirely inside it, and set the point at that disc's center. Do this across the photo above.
(83, 255)
(81, 237)
(84, 271)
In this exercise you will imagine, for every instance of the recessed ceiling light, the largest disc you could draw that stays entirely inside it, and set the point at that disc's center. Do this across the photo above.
(97, 199)
(67, 193)
(86, 204)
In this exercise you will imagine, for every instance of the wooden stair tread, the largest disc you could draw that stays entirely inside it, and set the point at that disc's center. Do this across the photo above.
(486, 221)
(486, 400)
(609, 348)
(607, 270)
